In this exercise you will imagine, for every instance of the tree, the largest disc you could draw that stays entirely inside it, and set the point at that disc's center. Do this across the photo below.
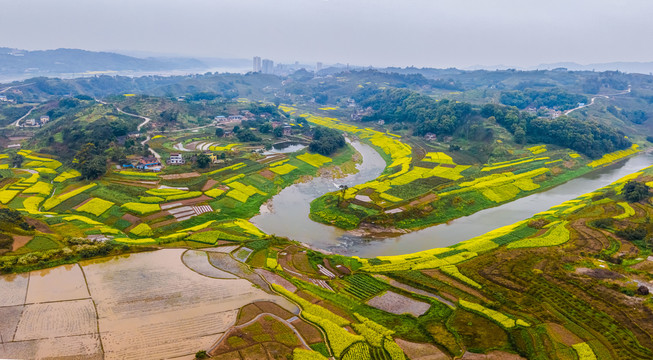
(203, 161)
(16, 160)
(265, 128)
(169, 115)
(90, 163)
(246, 135)
(236, 129)
(219, 132)
(635, 191)
(278, 131)
(343, 190)
(326, 141)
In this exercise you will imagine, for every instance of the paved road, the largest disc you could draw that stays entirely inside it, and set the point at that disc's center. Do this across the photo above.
(17, 122)
(145, 121)
(594, 98)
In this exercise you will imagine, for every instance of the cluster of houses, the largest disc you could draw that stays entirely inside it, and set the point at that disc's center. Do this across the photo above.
(150, 163)
(34, 122)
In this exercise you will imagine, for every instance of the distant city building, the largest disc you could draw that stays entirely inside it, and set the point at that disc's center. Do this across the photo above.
(268, 66)
(256, 64)
(318, 67)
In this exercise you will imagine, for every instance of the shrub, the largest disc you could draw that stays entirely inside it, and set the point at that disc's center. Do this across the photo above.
(635, 191)
(632, 233)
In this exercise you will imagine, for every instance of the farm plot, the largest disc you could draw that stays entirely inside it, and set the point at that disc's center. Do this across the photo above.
(57, 319)
(363, 286)
(398, 304)
(150, 305)
(198, 261)
(61, 283)
(85, 347)
(13, 289)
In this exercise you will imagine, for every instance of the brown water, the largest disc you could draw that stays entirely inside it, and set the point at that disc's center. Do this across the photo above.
(288, 212)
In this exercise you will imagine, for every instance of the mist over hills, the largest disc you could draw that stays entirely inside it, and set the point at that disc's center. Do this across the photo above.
(17, 64)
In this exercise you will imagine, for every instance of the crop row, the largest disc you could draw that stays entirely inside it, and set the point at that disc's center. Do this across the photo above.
(556, 235)
(498, 317)
(614, 156)
(453, 271)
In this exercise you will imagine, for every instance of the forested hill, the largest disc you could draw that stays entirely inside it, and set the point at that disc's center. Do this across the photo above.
(444, 117)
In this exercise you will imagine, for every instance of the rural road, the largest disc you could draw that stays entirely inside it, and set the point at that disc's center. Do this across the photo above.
(594, 98)
(17, 122)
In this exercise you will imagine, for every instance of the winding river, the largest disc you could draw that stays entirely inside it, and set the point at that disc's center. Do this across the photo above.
(287, 213)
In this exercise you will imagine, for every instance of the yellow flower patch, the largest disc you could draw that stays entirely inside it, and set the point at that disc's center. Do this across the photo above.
(283, 169)
(7, 195)
(41, 188)
(438, 157)
(614, 156)
(315, 160)
(96, 206)
(140, 208)
(68, 174)
(214, 193)
(141, 229)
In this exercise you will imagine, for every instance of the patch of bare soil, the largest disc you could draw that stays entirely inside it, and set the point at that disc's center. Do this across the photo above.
(492, 355)
(599, 273)
(267, 174)
(39, 225)
(131, 218)
(20, 241)
(210, 183)
(180, 176)
(419, 351)
(562, 335)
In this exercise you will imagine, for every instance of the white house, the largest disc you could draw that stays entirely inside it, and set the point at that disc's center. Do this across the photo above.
(44, 119)
(176, 159)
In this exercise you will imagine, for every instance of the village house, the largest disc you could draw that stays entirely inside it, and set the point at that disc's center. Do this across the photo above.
(44, 119)
(30, 122)
(149, 163)
(287, 130)
(176, 159)
(3, 98)
(220, 119)
(212, 156)
(430, 137)
(236, 118)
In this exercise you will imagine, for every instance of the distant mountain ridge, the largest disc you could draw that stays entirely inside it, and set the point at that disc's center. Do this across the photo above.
(623, 66)
(44, 62)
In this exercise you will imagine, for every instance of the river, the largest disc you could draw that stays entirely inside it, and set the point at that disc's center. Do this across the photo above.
(287, 213)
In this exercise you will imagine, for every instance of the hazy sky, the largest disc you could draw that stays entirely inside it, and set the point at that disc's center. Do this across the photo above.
(432, 33)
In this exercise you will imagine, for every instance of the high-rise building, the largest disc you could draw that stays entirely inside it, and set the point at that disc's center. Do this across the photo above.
(256, 64)
(318, 67)
(268, 66)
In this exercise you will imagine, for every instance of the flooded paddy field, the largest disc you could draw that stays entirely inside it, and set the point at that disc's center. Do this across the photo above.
(148, 305)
